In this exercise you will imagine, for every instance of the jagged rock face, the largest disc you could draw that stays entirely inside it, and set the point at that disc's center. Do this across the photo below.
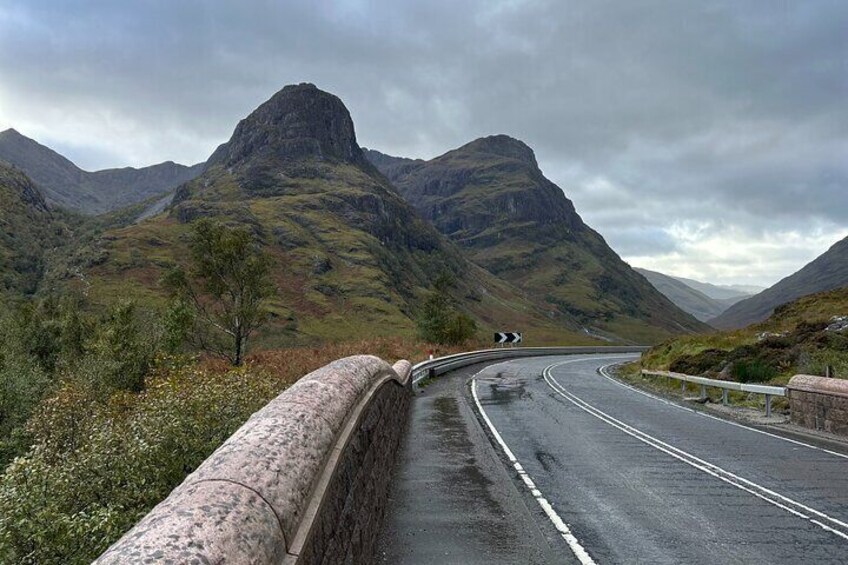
(15, 184)
(493, 181)
(349, 251)
(298, 122)
(491, 198)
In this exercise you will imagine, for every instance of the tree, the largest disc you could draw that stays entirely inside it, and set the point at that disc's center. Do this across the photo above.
(225, 290)
(439, 321)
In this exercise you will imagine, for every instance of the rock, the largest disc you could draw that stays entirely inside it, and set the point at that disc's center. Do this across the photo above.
(300, 121)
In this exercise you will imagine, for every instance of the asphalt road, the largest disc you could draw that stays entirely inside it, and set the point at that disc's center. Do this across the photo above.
(545, 460)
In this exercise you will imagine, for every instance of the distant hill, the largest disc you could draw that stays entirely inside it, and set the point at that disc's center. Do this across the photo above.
(26, 231)
(684, 296)
(828, 271)
(730, 293)
(490, 197)
(66, 185)
(352, 258)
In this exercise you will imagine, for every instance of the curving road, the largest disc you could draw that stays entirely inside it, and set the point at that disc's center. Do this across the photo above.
(547, 460)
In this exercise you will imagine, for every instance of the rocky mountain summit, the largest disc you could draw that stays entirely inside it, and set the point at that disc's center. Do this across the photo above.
(491, 198)
(299, 122)
(66, 185)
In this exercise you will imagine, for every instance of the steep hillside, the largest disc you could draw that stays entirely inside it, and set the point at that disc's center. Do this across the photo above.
(802, 336)
(490, 197)
(352, 257)
(66, 185)
(684, 296)
(828, 271)
(26, 231)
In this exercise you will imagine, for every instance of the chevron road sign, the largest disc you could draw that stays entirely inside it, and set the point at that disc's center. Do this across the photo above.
(508, 337)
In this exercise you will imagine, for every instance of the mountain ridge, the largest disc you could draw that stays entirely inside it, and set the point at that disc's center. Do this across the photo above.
(66, 185)
(490, 197)
(352, 255)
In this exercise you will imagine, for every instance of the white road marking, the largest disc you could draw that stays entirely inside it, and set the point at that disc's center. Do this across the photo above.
(604, 374)
(796, 508)
(573, 543)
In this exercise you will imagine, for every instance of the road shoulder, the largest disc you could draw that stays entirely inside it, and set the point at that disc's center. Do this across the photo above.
(452, 499)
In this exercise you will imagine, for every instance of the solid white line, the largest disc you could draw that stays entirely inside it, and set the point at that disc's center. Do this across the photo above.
(573, 543)
(741, 483)
(728, 422)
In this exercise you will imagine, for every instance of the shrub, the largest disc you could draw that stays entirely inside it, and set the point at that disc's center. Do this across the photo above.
(439, 321)
(97, 467)
(753, 371)
(98, 464)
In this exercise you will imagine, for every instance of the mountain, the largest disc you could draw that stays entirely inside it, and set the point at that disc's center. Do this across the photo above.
(490, 198)
(352, 257)
(731, 293)
(684, 296)
(828, 271)
(25, 231)
(703, 300)
(66, 185)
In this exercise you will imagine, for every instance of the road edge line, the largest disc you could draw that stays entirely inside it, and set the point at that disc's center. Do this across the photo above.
(573, 543)
(603, 373)
(692, 460)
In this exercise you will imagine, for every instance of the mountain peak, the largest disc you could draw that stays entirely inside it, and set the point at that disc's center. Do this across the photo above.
(299, 121)
(503, 146)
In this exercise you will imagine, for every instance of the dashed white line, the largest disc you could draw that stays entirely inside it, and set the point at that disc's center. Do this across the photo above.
(573, 543)
(785, 503)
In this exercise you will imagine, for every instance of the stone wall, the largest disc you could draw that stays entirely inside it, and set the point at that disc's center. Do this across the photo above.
(819, 403)
(348, 524)
(303, 481)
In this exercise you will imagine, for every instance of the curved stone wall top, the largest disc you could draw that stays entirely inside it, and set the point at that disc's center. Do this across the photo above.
(821, 385)
(246, 501)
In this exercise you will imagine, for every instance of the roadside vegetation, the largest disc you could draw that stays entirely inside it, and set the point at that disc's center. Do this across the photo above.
(104, 409)
(440, 321)
(94, 454)
(806, 336)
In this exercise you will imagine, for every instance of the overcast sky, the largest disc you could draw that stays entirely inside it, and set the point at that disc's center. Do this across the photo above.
(703, 139)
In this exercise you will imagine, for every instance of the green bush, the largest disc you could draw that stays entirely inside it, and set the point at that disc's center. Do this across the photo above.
(50, 340)
(438, 319)
(97, 467)
(753, 371)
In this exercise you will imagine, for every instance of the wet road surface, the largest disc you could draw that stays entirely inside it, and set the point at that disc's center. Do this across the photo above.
(553, 462)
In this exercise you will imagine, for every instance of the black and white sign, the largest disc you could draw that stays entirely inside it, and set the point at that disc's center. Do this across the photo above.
(508, 337)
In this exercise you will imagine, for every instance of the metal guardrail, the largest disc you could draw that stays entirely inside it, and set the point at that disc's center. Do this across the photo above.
(766, 390)
(441, 365)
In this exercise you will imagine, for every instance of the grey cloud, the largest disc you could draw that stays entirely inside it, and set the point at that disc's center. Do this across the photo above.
(725, 113)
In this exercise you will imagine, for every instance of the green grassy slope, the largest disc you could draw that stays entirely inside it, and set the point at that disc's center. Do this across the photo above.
(491, 198)
(26, 232)
(795, 339)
